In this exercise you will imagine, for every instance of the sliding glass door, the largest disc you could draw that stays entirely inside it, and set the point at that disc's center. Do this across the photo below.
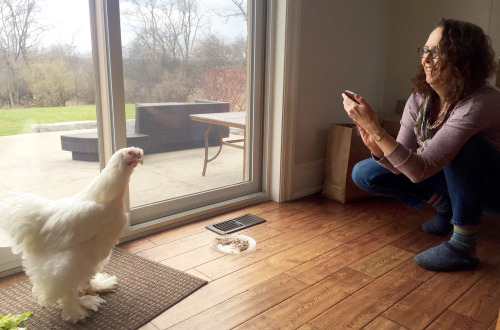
(182, 79)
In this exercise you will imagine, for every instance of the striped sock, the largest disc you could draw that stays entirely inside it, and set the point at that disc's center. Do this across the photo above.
(464, 238)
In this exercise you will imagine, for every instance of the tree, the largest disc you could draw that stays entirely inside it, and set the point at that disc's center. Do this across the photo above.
(239, 8)
(212, 52)
(226, 84)
(166, 28)
(50, 81)
(19, 33)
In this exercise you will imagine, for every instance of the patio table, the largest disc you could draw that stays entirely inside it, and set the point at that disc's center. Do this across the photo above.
(222, 119)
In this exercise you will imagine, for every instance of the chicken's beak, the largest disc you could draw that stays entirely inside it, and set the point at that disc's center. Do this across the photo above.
(140, 161)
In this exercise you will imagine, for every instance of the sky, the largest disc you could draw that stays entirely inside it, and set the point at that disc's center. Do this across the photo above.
(68, 22)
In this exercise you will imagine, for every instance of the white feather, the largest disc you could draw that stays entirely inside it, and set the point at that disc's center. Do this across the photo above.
(65, 242)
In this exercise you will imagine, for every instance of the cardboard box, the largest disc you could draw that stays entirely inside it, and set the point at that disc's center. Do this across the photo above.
(345, 149)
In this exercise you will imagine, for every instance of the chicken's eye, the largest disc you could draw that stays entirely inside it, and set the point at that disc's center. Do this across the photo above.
(129, 153)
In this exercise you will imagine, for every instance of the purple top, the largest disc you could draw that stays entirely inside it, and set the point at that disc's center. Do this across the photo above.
(477, 113)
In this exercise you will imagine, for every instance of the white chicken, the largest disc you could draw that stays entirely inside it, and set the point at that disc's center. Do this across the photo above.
(65, 243)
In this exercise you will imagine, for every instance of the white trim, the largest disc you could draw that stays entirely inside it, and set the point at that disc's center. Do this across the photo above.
(281, 81)
(290, 92)
(275, 46)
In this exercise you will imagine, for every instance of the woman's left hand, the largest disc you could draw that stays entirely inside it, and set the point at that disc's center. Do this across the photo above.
(362, 114)
(367, 114)
(369, 143)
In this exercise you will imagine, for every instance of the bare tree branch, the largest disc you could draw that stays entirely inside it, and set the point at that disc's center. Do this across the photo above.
(168, 28)
(239, 8)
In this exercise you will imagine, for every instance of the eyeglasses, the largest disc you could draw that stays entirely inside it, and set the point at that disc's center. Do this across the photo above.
(422, 52)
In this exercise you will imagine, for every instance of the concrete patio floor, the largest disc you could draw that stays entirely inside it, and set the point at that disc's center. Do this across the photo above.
(36, 163)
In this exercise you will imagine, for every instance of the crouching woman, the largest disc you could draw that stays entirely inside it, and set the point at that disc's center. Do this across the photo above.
(447, 152)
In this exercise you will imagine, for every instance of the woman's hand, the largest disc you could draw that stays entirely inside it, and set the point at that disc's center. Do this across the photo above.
(369, 143)
(362, 114)
(365, 117)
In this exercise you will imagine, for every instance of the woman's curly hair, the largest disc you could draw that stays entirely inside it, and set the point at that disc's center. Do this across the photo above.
(467, 50)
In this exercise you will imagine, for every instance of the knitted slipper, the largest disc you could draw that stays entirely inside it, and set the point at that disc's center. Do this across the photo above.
(439, 225)
(445, 257)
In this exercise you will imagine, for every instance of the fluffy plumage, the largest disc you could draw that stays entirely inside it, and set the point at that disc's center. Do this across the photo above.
(66, 242)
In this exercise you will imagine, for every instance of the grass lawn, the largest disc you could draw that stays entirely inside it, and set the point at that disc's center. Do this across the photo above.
(18, 121)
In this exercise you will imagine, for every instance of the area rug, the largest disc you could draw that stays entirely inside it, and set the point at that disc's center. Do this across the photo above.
(145, 290)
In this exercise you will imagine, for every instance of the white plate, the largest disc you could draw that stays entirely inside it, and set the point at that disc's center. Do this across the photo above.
(231, 248)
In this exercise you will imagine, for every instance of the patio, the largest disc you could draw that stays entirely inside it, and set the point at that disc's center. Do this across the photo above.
(36, 163)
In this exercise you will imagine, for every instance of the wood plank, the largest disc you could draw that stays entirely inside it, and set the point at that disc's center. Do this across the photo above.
(244, 306)
(237, 282)
(260, 232)
(193, 258)
(171, 249)
(11, 279)
(196, 273)
(317, 201)
(298, 220)
(177, 233)
(418, 241)
(205, 254)
(372, 221)
(450, 320)
(381, 261)
(370, 230)
(148, 326)
(137, 245)
(341, 257)
(495, 325)
(402, 227)
(365, 305)
(482, 301)
(230, 263)
(304, 306)
(308, 327)
(383, 323)
(199, 226)
(433, 297)
(282, 212)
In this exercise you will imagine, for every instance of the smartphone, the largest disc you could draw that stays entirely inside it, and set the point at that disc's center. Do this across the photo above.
(350, 94)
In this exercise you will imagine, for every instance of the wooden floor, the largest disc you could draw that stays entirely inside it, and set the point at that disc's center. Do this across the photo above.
(319, 264)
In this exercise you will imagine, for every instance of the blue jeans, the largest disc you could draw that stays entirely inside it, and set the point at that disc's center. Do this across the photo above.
(471, 180)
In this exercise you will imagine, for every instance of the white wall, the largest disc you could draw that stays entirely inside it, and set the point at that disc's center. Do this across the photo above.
(343, 45)
(411, 24)
(369, 47)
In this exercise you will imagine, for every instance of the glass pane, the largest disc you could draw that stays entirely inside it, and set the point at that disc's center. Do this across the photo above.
(47, 102)
(185, 76)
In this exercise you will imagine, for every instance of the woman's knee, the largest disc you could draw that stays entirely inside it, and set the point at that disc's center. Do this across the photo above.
(363, 171)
